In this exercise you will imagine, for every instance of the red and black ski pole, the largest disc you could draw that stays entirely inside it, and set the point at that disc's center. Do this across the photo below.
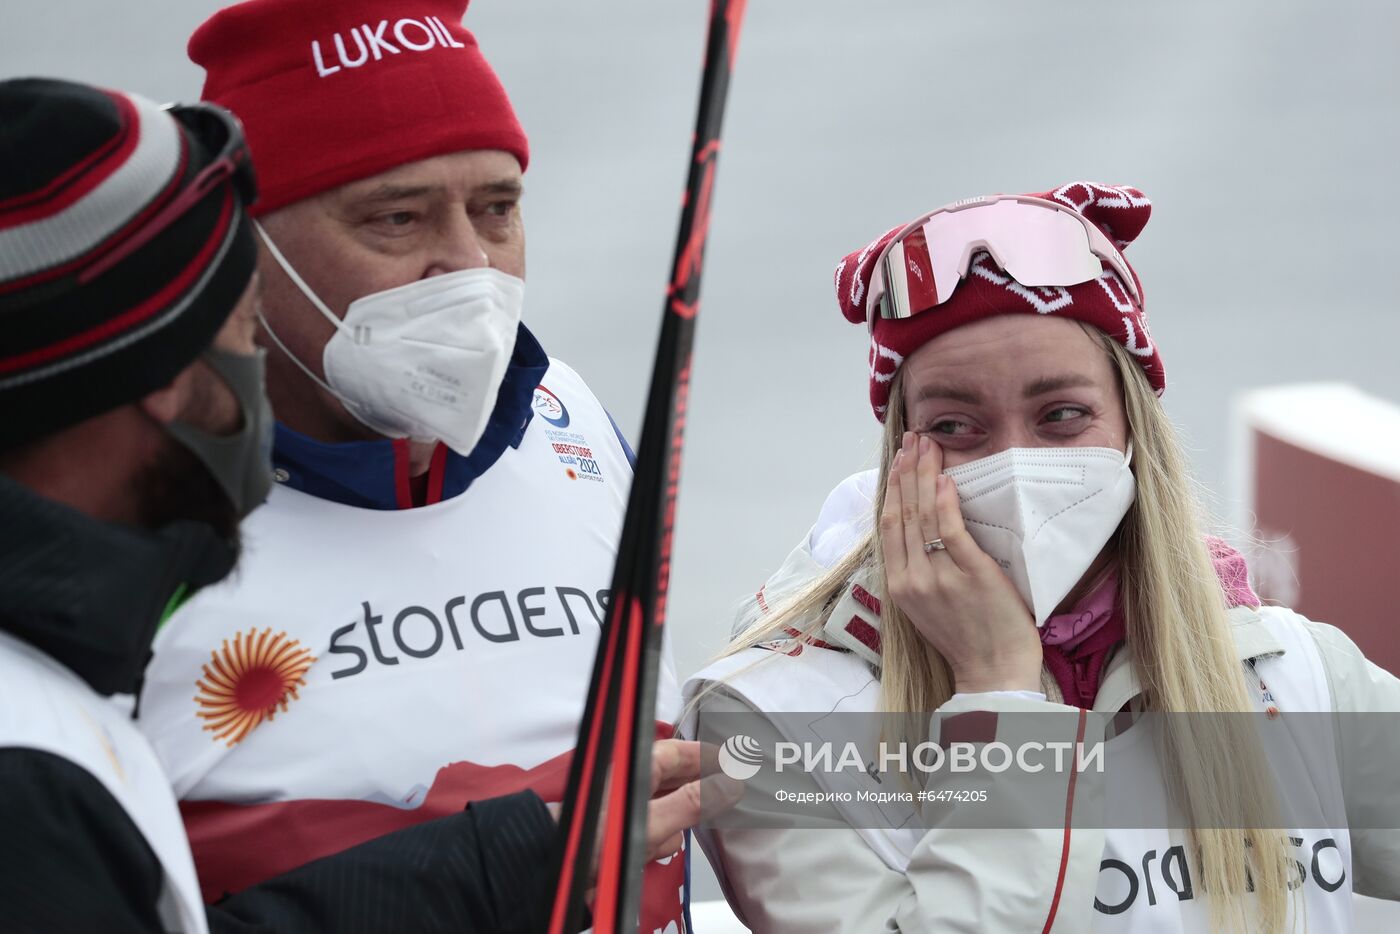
(617, 730)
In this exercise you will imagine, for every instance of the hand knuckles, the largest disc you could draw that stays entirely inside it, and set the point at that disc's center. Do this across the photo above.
(666, 756)
(690, 795)
(910, 513)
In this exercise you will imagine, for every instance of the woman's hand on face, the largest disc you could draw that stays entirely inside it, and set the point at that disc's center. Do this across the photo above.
(957, 597)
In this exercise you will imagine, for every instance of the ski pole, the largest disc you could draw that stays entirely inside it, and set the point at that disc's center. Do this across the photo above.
(617, 730)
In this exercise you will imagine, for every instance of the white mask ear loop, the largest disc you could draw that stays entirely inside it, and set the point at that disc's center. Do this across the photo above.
(313, 298)
(300, 283)
(293, 357)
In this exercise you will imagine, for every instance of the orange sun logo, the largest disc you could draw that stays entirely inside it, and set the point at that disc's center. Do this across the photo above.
(246, 682)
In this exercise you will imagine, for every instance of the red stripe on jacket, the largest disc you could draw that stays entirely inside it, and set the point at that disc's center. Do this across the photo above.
(239, 845)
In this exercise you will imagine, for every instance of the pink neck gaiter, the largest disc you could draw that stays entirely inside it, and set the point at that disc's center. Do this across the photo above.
(1077, 644)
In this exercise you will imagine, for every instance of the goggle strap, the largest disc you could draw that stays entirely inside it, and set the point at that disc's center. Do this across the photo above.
(1121, 272)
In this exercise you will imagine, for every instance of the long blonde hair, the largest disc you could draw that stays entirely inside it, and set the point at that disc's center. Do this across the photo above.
(1179, 640)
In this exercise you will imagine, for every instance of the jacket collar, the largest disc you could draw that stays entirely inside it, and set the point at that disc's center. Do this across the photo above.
(91, 594)
(1253, 639)
(374, 474)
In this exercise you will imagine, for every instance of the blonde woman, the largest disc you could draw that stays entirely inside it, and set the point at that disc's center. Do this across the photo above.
(1031, 545)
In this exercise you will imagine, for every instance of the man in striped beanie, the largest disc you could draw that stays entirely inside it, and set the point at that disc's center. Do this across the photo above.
(133, 437)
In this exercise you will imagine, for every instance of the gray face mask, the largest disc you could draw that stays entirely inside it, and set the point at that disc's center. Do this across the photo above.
(241, 463)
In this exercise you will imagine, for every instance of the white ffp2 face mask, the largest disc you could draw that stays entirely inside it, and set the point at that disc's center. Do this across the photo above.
(424, 360)
(1044, 514)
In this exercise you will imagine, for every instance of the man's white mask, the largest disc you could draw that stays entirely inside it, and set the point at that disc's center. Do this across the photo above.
(424, 360)
(1044, 514)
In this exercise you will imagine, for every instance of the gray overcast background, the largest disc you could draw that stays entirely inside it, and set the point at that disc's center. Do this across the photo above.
(1265, 132)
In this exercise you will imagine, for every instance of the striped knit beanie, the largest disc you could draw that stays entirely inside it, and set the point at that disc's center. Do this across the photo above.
(96, 310)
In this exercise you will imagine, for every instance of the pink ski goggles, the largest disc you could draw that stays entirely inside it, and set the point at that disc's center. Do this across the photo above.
(1039, 243)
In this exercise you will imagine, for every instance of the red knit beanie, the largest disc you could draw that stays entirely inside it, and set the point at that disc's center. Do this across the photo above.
(330, 93)
(1120, 212)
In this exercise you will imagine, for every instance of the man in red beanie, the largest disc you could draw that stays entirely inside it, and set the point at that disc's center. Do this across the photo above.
(417, 614)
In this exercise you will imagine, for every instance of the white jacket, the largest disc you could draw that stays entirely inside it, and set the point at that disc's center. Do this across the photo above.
(955, 879)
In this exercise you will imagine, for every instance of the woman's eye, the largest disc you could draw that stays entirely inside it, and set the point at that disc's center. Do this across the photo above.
(1064, 414)
(949, 426)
